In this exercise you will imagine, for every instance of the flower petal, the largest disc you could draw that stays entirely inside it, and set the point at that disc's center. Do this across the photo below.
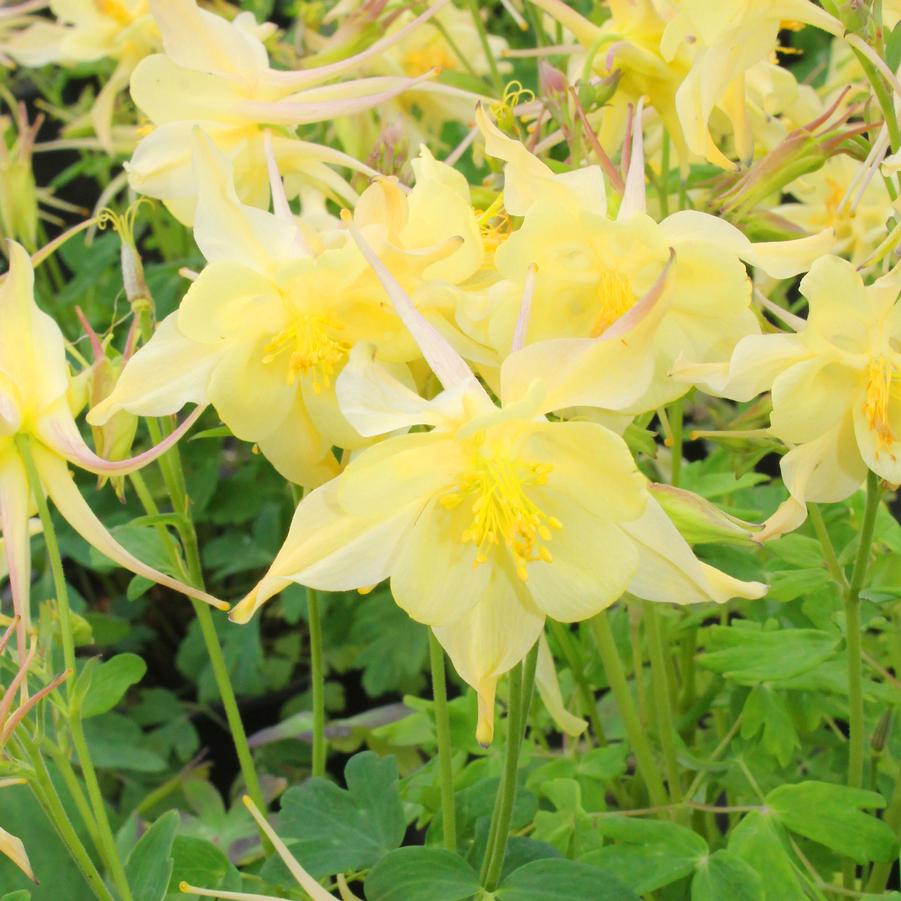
(669, 572)
(11, 846)
(330, 549)
(168, 372)
(435, 577)
(15, 501)
(57, 429)
(549, 690)
(490, 639)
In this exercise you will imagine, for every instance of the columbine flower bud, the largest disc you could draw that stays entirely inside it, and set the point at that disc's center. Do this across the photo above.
(698, 520)
(18, 193)
(114, 438)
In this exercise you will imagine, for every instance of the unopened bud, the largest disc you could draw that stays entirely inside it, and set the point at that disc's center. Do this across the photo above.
(698, 520)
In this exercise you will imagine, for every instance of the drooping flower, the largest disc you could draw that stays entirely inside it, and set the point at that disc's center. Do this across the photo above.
(487, 523)
(216, 74)
(836, 388)
(35, 409)
(264, 331)
(618, 301)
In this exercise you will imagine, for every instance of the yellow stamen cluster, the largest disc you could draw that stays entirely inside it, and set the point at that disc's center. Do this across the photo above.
(501, 508)
(615, 297)
(879, 377)
(314, 350)
(114, 10)
(433, 56)
(495, 226)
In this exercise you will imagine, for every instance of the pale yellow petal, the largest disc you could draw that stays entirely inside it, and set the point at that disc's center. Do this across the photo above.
(811, 398)
(435, 577)
(15, 503)
(669, 572)
(549, 691)
(330, 549)
(400, 470)
(490, 639)
(11, 846)
(164, 375)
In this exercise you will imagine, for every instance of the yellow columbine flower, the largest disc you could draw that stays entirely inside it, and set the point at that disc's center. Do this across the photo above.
(843, 196)
(487, 523)
(724, 40)
(86, 31)
(624, 298)
(627, 43)
(215, 74)
(836, 388)
(34, 406)
(264, 331)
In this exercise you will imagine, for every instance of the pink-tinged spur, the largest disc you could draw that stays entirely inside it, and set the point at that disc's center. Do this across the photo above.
(487, 523)
(35, 409)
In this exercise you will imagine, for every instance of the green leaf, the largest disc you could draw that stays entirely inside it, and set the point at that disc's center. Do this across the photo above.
(109, 682)
(552, 879)
(21, 894)
(199, 862)
(748, 655)
(893, 48)
(421, 874)
(759, 841)
(765, 710)
(393, 647)
(832, 815)
(725, 875)
(117, 743)
(569, 828)
(149, 866)
(332, 830)
(648, 854)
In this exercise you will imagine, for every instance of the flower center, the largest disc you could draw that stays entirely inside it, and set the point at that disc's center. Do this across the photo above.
(835, 213)
(615, 297)
(432, 56)
(501, 507)
(115, 10)
(313, 350)
(880, 373)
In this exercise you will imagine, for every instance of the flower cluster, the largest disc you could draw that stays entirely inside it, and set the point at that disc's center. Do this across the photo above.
(456, 372)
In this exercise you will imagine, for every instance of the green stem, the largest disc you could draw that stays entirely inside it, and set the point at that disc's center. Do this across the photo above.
(317, 675)
(173, 476)
(107, 846)
(496, 79)
(445, 747)
(520, 691)
(892, 815)
(829, 555)
(577, 667)
(78, 795)
(660, 689)
(46, 795)
(616, 677)
(675, 420)
(856, 738)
